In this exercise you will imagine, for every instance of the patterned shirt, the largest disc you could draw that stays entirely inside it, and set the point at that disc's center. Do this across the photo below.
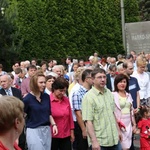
(77, 98)
(99, 108)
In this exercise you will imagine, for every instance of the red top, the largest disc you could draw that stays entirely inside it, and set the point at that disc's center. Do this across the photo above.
(144, 126)
(2, 147)
(62, 114)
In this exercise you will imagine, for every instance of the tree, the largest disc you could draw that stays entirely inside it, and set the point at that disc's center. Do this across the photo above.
(6, 37)
(56, 28)
(144, 7)
(131, 11)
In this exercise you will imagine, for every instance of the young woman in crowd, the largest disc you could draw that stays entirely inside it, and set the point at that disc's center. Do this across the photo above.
(38, 110)
(71, 76)
(123, 110)
(11, 122)
(44, 67)
(62, 114)
(49, 81)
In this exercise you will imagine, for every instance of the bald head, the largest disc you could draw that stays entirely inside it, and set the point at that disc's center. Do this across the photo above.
(130, 68)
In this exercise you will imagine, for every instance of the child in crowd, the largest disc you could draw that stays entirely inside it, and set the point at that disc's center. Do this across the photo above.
(143, 122)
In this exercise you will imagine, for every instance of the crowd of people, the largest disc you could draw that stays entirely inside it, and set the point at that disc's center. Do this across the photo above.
(98, 104)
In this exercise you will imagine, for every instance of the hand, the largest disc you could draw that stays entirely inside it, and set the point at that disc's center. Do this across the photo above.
(55, 130)
(136, 110)
(84, 134)
(72, 138)
(134, 128)
(95, 145)
(136, 131)
(120, 136)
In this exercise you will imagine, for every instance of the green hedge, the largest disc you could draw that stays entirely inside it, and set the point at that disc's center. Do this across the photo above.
(56, 28)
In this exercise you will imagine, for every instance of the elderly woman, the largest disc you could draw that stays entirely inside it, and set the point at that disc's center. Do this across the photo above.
(62, 114)
(11, 122)
(143, 80)
(38, 110)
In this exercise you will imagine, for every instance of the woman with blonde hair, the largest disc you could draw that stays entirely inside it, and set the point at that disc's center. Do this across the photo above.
(11, 122)
(143, 79)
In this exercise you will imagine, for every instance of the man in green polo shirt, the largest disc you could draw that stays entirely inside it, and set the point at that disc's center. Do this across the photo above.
(98, 113)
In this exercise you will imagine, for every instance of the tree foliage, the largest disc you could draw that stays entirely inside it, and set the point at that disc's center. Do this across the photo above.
(144, 7)
(56, 28)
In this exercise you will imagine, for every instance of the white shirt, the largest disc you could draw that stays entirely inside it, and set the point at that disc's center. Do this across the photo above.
(112, 79)
(69, 67)
(47, 91)
(75, 88)
(144, 83)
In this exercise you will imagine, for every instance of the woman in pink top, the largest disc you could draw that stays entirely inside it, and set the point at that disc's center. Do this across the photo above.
(123, 110)
(62, 114)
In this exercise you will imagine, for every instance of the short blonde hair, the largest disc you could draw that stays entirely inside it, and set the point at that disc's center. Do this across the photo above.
(78, 73)
(140, 61)
(10, 109)
(119, 67)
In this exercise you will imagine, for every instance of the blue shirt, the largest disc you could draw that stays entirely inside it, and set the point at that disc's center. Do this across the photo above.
(37, 112)
(133, 89)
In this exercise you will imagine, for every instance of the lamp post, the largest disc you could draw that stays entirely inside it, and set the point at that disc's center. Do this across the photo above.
(123, 23)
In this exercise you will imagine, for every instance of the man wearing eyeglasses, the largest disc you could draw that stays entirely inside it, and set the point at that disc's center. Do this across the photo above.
(98, 114)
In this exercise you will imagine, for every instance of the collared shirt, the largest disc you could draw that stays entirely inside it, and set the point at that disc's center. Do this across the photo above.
(99, 108)
(47, 91)
(69, 67)
(112, 79)
(25, 88)
(9, 92)
(37, 112)
(75, 88)
(77, 98)
(62, 114)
